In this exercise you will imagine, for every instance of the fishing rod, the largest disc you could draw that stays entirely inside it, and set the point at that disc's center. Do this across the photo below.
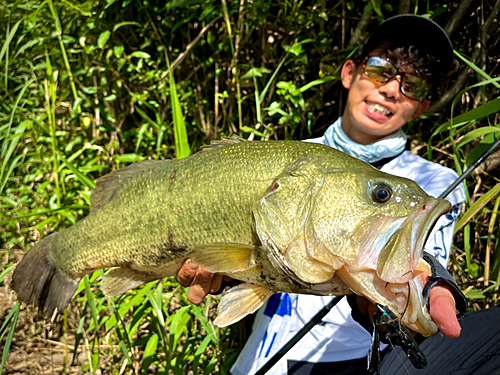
(470, 169)
(326, 309)
(303, 331)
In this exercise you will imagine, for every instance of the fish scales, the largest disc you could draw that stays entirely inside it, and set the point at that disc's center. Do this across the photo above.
(179, 204)
(281, 215)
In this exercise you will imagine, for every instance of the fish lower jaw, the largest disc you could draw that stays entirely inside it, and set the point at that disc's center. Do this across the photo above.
(415, 314)
(393, 295)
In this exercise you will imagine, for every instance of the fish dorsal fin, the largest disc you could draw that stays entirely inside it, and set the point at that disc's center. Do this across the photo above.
(108, 186)
(240, 301)
(223, 142)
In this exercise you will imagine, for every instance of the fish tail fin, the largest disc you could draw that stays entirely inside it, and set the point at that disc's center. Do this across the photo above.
(39, 282)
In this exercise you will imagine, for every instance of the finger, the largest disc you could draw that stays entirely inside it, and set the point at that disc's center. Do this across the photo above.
(200, 286)
(367, 308)
(226, 278)
(363, 306)
(215, 284)
(372, 309)
(443, 311)
(187, 273)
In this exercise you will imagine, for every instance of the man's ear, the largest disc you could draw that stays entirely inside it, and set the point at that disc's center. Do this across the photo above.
(422, 107)
(347, 73)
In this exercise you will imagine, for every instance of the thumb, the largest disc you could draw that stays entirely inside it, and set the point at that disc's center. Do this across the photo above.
(443, 311)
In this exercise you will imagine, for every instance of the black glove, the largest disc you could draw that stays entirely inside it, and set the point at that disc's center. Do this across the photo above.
(440, 276)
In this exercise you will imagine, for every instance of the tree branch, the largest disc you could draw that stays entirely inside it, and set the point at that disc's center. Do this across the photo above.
(361, 27)
(486, 32)
(457, 16)
(404, 6)
(189, 47)
(489, 25)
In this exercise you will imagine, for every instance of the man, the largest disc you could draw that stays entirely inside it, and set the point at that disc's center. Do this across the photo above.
(391, 81)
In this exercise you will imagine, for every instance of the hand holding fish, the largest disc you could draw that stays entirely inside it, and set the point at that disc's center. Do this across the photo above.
(441, 301)
(200, 281)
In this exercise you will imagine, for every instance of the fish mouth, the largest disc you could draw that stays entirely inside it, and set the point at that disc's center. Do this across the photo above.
(399, 258)
(404, 299)
(391, 271)
(415, 313)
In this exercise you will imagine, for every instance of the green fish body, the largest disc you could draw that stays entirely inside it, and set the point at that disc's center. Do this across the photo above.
(280, 215)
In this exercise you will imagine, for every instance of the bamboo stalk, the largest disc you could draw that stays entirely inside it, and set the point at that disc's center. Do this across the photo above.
(489, 243)
(50, 100)
(234, 42)
(57, 23)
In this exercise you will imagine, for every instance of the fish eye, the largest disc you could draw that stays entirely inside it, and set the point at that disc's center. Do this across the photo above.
(381, 193)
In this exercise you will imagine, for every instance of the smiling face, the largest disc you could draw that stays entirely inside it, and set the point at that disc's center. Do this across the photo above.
(374, 111)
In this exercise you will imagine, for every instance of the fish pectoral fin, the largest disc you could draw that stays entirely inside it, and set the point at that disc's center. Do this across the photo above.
(224, 257)
(240, 301)
(119, 280)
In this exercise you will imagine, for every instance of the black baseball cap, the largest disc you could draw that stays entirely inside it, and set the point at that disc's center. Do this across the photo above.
(407, 30)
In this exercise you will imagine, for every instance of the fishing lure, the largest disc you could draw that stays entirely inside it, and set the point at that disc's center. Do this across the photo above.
(397, 334)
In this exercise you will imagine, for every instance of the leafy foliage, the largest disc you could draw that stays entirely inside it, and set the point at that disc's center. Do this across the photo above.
(88, 86)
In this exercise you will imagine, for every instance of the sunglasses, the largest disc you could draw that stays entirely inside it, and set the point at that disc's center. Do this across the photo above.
(380, 70)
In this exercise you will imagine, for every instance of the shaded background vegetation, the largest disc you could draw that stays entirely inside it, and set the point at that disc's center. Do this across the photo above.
(85, 88)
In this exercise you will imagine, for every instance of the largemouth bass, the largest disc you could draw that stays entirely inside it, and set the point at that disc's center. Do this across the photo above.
(281, 216)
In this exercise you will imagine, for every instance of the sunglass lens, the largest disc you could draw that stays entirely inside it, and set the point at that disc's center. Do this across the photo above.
(415, 87)
(379, 69)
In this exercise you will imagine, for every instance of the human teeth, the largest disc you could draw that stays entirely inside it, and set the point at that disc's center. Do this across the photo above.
(379, 109)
